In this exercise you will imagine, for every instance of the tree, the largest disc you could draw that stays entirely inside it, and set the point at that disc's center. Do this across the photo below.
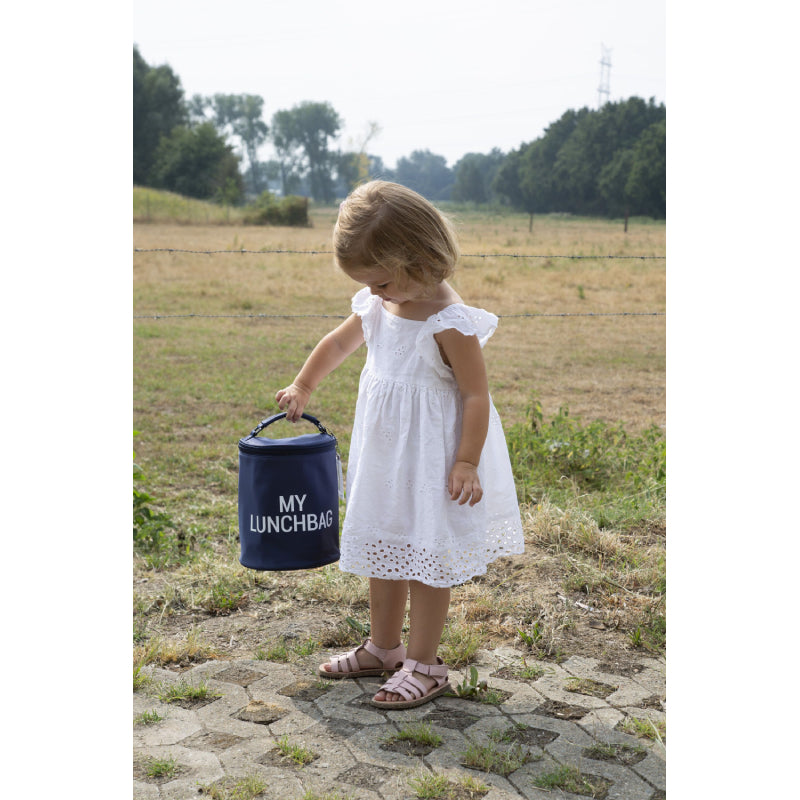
(301, 137)
(612, 180)
(197, 162)
(289, 157)
(158, 108)
(584, 163)
(356, 167)
(647, 181)
(348, 170)
(526, 178)
(597, 136)
(474, 175)
(426, 173)
(238, 115)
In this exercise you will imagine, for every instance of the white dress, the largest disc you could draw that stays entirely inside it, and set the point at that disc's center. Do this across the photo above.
(400, 521)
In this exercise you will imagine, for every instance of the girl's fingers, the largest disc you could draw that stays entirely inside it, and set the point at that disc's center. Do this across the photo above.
(463, 493)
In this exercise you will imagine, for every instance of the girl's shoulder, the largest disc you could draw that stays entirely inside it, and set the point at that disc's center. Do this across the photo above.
(467, 320)
(363, 302)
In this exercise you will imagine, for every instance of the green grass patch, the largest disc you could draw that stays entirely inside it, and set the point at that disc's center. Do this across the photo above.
(247, 788)
(183, 691)
(438, 787)
(280, 651)
(644, 728)
(294, 752)
(161, 767)
(159, 206)
(499, 760)
(147, 718)
(418, 733)
(617, 478)
(571, 779)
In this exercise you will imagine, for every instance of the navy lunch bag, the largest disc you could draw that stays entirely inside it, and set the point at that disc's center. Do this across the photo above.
(289, 493)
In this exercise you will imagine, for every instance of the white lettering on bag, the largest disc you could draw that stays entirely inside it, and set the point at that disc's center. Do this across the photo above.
(288, 505)
(287, 521)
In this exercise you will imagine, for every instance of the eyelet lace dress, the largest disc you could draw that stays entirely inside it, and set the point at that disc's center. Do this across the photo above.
(400, 521)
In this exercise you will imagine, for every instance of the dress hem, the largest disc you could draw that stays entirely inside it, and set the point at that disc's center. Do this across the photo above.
(364, 573)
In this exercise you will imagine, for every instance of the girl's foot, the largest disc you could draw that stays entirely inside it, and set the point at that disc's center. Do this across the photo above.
(366, 659)
(413, 685)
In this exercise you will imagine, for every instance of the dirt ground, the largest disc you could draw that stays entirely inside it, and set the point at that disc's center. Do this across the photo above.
(595, 626)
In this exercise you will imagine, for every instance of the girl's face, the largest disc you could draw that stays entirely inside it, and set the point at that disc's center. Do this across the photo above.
(382, 284)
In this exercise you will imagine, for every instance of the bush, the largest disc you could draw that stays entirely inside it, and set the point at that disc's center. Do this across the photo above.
(291, 211)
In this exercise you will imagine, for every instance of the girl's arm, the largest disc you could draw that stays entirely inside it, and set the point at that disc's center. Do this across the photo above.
(325, 357)
(465, 357)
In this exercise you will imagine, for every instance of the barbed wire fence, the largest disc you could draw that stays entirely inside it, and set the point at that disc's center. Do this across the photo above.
(533, 256)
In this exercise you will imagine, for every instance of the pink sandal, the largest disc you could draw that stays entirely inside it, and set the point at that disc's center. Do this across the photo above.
(346, 665)
(416, 693)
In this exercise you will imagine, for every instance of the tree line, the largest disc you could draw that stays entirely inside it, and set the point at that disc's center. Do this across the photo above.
(605, 162)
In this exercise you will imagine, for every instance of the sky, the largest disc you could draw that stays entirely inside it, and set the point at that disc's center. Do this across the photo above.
(450, 77)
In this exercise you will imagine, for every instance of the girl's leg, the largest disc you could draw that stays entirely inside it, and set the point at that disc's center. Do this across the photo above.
(387, 610)
(427, 617)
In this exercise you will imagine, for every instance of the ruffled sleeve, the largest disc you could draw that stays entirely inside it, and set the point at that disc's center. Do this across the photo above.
(465, 319)
(366, 305)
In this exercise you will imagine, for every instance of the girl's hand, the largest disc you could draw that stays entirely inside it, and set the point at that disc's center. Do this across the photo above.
(292, 400)
(464, 484)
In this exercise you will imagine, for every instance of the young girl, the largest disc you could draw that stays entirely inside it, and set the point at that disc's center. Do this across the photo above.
(431, 498)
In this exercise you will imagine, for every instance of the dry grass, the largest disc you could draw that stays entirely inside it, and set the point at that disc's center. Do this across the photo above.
(201, 383)
(610, 368)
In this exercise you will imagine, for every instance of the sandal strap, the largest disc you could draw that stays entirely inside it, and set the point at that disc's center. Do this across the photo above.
(438, 671)
(390, 658)
(348, 662)
(404, 683)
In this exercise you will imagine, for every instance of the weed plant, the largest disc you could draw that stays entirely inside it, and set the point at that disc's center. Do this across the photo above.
(147, 718)
(161, 767)
(472, 687)
(460, 643)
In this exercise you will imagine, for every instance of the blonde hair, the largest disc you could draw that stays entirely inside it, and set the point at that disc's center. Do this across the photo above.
(387, 225)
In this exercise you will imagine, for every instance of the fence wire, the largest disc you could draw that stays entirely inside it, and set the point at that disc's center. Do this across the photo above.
(344, 316)
(243, 251)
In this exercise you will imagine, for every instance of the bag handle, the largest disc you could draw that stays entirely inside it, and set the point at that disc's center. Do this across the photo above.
(275, 417)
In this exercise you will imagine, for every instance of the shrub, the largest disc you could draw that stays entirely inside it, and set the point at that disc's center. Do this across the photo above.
(290, 211)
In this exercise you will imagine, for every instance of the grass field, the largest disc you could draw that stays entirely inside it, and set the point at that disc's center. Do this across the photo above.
(202, 382)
